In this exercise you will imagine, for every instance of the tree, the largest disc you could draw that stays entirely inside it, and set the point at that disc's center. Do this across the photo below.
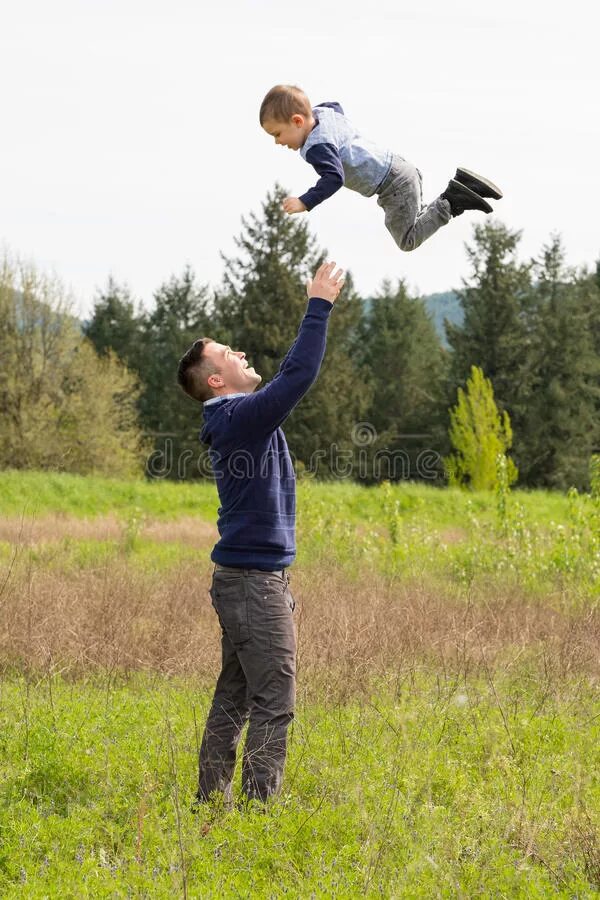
(62, 407)
(479, 435)
(407, 365)
(181, 314)
(561, 430)
(587, 286)
(115, 325)
(259, 308)
(495, 333)
(151, 343)
(263, 295)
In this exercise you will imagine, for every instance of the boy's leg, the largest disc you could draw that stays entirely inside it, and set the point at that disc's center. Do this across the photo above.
(401, 197)
(230, 704)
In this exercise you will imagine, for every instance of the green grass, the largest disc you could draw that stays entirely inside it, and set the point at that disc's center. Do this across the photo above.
(425, 784)
(38, 493)
(435, 789)
(540, 541)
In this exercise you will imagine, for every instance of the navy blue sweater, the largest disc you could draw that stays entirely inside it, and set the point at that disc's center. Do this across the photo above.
(250, 457)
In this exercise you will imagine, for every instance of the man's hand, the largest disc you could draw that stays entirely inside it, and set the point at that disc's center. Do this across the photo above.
(326, 284)
(293, 205)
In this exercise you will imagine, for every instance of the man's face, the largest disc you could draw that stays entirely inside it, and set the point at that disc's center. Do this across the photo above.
(234, 375)
(290, 134)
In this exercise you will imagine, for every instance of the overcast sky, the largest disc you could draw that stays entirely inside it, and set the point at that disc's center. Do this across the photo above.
(131, 141)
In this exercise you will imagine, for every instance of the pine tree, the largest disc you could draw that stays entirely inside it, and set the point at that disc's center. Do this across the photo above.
(259, 308)
(181, 314)
(115, 324)
(480, 435)
(561, 429)
(263, 295)
(151, 343)
(495, 333)
(403, 354)
(587, 286)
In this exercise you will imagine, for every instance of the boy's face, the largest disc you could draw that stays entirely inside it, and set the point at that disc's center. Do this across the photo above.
(290, 134)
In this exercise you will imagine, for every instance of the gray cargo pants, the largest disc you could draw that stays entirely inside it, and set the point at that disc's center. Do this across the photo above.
(406, 218)
(257, 682)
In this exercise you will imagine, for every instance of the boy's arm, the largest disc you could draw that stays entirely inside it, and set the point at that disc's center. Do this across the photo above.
(325, 159)
(269, 407)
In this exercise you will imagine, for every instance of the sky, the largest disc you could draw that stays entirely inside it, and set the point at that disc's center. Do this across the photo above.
(131, 145)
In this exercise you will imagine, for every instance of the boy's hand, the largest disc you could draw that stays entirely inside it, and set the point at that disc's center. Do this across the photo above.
(326, 284)
(293, 205)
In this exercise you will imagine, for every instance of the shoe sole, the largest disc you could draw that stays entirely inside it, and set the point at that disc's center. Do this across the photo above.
(489, 189)
(478, 201)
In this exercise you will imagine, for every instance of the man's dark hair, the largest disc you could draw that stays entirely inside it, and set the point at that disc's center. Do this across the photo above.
(194, 369)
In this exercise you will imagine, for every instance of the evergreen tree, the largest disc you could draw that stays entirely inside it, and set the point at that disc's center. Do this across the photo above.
(587, 286)
(401, 350)
(561, 429)
(480, 436)
(258, 310)
(115, 324)
(263, 295)
(181, 314)
(151, 344)
(495, 333)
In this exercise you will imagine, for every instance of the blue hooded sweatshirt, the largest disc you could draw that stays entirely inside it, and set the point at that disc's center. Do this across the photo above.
(250, 457)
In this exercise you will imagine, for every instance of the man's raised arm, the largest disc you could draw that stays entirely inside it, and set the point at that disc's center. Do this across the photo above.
(269, 407)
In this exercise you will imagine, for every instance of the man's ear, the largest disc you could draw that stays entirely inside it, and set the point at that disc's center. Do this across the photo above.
(215, 380)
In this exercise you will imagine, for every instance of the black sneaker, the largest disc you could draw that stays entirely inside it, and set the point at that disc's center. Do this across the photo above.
(461, 198)
(476, 183)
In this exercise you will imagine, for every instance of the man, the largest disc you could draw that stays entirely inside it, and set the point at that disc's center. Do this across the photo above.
(250, 593)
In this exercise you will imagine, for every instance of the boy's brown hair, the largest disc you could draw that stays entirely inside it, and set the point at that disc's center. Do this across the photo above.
(194, 369)
(284, 101)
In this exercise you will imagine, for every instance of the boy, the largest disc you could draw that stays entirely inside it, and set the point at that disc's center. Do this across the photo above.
(341, 156)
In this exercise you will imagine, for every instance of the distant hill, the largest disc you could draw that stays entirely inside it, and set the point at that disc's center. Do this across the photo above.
(444, 305)
(440, 306)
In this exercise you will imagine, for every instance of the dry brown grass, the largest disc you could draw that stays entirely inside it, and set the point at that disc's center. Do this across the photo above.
(45, 529)
(190, 531)
(121, 619)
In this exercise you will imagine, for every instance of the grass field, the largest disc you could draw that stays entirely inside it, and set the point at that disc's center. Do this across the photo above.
(446, 742)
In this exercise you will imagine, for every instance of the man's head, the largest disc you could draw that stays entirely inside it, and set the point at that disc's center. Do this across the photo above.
(286, 114)
(209, 369)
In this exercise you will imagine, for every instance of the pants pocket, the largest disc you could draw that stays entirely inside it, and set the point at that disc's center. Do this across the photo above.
(229, 598)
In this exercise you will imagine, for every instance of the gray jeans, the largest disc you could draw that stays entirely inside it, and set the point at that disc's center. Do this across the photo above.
(257, 682)
(406, 218)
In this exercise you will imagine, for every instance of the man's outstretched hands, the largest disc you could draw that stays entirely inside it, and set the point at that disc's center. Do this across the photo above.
(293, 205)
(326, 284)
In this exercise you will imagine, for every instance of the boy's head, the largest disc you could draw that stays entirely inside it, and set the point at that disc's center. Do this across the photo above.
(286, 114)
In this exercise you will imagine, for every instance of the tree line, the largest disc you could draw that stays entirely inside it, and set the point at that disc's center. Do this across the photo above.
(382, 405)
